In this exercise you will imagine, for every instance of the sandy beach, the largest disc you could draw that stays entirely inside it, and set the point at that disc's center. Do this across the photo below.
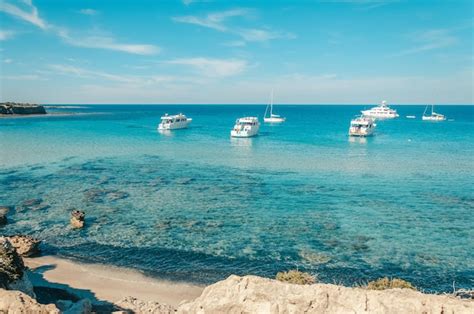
(102, 283)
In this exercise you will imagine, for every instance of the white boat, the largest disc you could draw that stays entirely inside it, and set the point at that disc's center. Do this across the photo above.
(382, 111)
(411, 117)
(174, 122)
(433, 116)
(362, 126)
(245, 127)
(273, 118)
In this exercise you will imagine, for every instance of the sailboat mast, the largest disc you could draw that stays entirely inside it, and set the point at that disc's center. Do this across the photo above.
(271, 104)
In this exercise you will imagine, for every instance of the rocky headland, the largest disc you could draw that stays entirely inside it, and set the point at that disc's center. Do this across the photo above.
(22, 292)
(12, 108)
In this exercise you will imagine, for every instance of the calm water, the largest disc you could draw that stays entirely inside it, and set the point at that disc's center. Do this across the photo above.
(197, 205)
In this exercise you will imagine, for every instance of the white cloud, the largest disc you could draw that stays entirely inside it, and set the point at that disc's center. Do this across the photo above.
(25, 77)
(4, 34)
(262, 35)
(109, 43)
(213, 20)
(88, 11)
(235, 43)
(213, 67)
(217, 21)
(28, 13)
(429, 40)
(7, 61)
(84, 73)
(99, 42)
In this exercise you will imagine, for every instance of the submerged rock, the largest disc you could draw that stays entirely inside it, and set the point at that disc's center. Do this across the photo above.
(77, 219)
(25, 245)
(32, 204)
(133, 305)
(3, 214)
(251, 294)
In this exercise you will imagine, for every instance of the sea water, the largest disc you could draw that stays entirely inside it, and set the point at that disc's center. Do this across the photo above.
(197, 205)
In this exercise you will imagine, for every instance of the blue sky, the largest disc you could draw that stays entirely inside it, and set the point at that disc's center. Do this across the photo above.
(204, 51)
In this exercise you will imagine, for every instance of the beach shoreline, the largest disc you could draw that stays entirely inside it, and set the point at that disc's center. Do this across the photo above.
(104, 283)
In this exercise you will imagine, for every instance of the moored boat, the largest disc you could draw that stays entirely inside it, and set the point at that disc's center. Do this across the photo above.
(382, 111)
(245, 127)
(433, 116)
(174, 122)
(362, 126)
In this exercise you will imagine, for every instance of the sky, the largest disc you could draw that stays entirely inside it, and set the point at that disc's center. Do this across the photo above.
(236, 52)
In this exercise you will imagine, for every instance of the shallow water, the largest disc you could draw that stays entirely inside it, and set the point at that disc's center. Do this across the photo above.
(197, 205)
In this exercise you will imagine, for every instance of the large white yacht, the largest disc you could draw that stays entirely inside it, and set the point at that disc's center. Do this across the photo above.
(362, 126)
(245, 127)
(433, 116)
(382, 111)
(273, 118)
(174, 122)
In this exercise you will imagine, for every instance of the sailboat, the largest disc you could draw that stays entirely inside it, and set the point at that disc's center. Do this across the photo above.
(434, 116)
(273, 118)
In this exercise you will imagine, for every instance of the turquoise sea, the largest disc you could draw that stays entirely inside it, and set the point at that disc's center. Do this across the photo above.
(196, 205)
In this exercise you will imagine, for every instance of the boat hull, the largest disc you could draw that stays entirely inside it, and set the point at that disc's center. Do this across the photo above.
(174, 126)
(251, 133)
(274, 120)
(433, 118)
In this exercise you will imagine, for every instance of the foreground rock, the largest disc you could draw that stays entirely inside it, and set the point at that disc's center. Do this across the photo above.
(77, 219)
(10, 108)
(25, 245)
(12, 269)
(252, 294)
(133, 305)
(18, 302)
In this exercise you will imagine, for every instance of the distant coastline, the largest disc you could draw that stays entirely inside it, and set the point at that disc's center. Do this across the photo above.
(13, 108)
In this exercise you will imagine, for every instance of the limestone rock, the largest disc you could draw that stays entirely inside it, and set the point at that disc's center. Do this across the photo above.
(21, 108)
(11, 264)
(77, 219)
(251, 294)
(12, 269)
(18, 302)
(133, 305)
(3, 214)
(25, 245)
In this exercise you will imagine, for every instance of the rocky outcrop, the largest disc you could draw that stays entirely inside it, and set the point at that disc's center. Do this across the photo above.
(133, 305)
(9, 108)
(25, 245)
(18, 302)
(77, 219)
(3, 214)
(12, 269)
(252, 294)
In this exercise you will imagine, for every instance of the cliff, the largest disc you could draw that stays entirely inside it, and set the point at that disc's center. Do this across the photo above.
(11, 108)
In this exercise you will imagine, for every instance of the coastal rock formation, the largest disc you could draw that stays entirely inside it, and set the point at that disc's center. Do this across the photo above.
(12, 274)
(3, 214)
(18, 302)
(21, 108)
(133, 305)
(251, 294)
(77, 219)
(25, 245)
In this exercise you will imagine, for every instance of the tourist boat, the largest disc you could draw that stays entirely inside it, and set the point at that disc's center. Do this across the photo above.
(273, 118)
(382, 111)
(362, 126)
(174, 122)
(245, 127)
(433, 116)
